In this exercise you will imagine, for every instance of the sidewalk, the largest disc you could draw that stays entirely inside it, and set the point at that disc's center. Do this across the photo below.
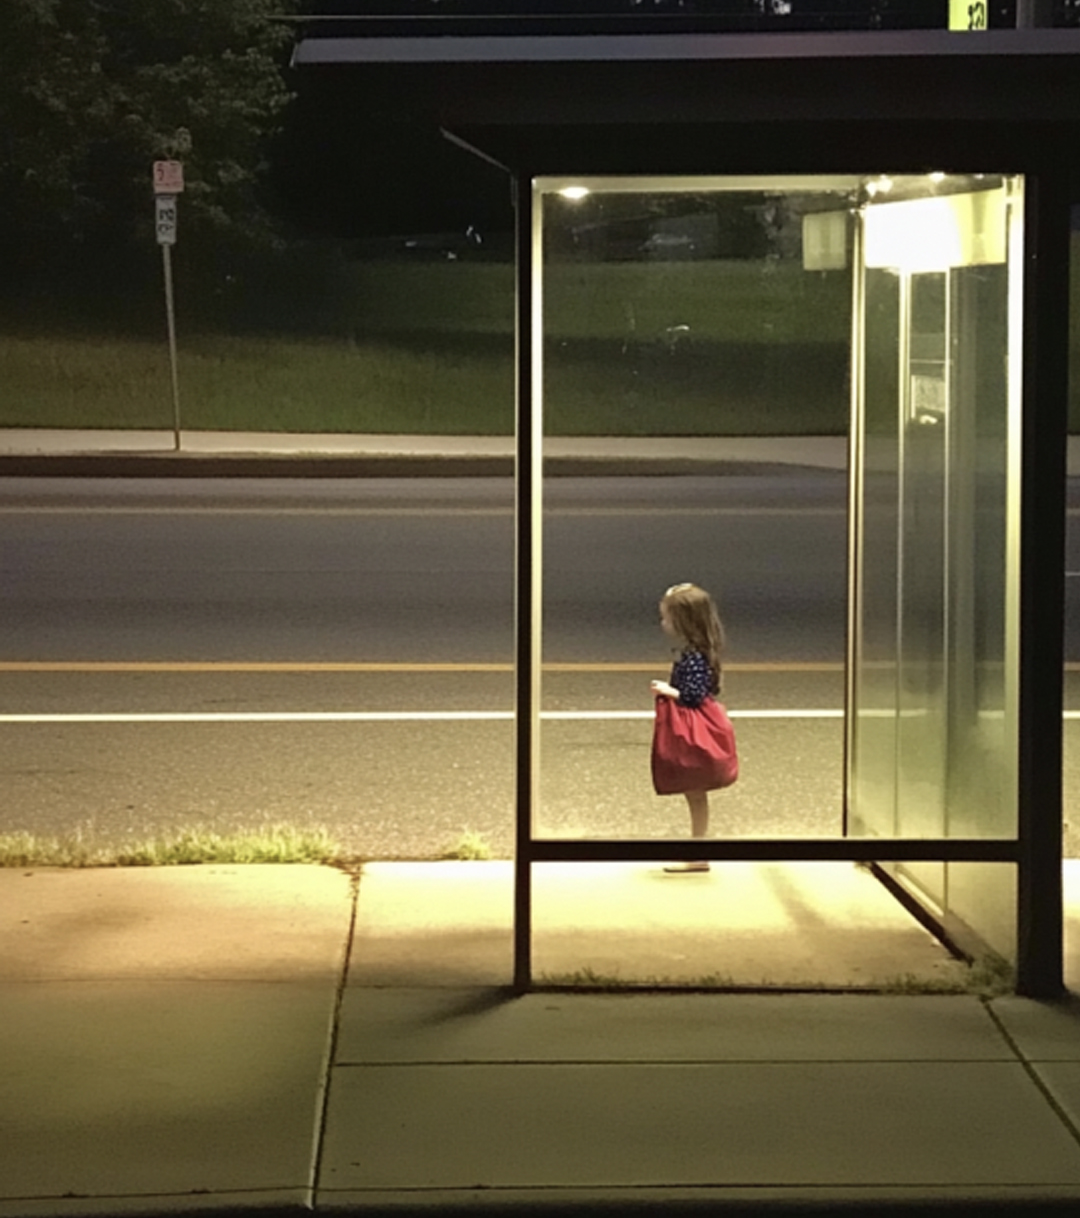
(33, 452)
(218, 1039)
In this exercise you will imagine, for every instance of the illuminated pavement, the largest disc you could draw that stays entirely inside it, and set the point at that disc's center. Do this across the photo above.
(218, 1039)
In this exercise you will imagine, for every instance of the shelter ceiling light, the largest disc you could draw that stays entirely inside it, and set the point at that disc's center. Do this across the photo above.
(574, 192)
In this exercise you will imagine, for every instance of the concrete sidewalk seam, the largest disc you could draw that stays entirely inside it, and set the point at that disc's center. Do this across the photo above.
(403, 1063)
(1033, 1074)
(322, 1098)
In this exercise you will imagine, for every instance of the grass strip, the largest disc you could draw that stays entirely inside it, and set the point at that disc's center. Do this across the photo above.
(985, 978)
(271, 844)
(251, 383)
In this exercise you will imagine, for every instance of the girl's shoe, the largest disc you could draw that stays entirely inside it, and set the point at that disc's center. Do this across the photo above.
(692, 865)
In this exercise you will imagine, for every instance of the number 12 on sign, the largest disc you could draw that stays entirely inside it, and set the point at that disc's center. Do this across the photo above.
(967, 15)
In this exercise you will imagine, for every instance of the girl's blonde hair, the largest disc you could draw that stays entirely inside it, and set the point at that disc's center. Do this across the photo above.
(694, 616)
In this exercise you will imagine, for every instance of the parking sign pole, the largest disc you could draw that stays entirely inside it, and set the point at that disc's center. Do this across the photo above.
(170, 314)
(168, 179)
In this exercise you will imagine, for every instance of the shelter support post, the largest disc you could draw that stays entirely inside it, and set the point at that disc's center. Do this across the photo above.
(1039, 972)
(527, 578)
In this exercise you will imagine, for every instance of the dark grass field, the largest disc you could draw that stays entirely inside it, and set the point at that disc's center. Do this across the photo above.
(678, 348)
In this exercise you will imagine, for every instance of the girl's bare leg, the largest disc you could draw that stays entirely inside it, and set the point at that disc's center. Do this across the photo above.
(699, 813)
(698, 802)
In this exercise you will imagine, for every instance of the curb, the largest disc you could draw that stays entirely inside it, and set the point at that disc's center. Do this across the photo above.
(260, 465)
(243, 465)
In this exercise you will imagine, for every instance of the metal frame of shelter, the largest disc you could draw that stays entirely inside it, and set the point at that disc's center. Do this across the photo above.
(540, 133)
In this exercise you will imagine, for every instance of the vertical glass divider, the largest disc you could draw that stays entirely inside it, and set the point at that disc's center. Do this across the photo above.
(903, 381)
(951, 559)
(1014, 452)
(855, 507)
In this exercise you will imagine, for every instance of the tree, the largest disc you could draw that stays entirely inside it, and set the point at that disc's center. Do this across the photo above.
(93, 91)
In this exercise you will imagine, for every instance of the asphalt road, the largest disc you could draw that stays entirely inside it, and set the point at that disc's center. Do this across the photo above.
(418, 570)
(339, 654)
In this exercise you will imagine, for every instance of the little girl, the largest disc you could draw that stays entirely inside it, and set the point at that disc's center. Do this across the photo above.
(688, 613)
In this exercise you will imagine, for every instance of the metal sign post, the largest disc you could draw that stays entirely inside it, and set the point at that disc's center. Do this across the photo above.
(1033, 14)
(168, 182)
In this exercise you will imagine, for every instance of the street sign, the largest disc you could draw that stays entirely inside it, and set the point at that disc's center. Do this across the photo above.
(165, 210)
(967, 14)
(168, 177)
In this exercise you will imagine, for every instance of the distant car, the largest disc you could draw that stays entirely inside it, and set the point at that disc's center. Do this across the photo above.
(667, 243)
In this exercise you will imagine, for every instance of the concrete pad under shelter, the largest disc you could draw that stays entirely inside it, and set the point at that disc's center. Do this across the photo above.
(800, 925)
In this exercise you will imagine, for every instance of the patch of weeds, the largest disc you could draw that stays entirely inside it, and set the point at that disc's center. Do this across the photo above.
(588, 978)
(910, 983)
(271, 844)
(714, 981)
(988, 976)
(470, 845)
(584, 978)
(991, 975)
(35, 850)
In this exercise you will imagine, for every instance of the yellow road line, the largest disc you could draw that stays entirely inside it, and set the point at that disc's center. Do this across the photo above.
(234, 666)
(361, 666)
(273, 666)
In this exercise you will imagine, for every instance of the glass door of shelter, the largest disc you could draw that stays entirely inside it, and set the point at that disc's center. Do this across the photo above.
(933, 664)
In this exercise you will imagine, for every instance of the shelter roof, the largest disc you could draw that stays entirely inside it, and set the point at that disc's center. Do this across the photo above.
(611, 101)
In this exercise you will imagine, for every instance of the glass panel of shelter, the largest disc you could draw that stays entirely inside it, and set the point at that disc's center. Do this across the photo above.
(933, 720)
(677, 311)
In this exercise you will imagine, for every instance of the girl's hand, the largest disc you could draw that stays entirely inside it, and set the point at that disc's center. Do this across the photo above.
(663, 689)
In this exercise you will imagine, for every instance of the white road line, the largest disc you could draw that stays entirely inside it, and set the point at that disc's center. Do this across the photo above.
(173, 667)
(197, 510)
(15, 509)
(375, 716)
(395, 716)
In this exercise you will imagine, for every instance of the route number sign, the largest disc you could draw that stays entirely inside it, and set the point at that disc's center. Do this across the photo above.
(165, 219)
(168, 177)
(968, 14)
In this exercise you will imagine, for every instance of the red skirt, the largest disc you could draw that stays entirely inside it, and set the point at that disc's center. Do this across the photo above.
(693, 748)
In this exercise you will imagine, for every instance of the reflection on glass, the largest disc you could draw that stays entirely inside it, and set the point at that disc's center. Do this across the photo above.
(932, 749)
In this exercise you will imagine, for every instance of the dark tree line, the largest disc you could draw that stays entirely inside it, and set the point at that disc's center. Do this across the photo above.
(92, 92)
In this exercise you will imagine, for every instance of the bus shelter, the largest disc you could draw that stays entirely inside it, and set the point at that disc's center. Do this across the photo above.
(930, 176)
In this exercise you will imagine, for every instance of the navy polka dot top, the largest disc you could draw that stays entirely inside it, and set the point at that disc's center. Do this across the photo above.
(692, 677)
